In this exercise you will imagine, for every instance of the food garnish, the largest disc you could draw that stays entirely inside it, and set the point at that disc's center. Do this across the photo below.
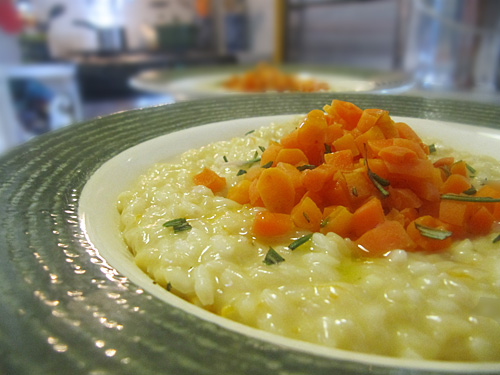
(374, 185)
(272, 257)
(179, 224)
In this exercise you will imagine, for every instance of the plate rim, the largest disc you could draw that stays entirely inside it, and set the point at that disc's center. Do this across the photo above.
(71, 155)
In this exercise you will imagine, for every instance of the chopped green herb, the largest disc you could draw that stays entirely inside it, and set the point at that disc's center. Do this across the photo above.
(379, 182)
(354, 191)
(262, 148)
(328, 149)
(496, 239)
(432, 148)
(272, 257)
(175, 222)
(302, 240)
(470, 191)
(305, 166)
(324, 222)
(376, 180)
(470, 168)
(240, 172)
(182, 228)
(256, 154)
(446, 170)
(249, 132)
(251, 161)
(225, 158)
(268, 165)
(306, 216)
(169, 286)
(179, 225)
(434, 233)
(468, 198)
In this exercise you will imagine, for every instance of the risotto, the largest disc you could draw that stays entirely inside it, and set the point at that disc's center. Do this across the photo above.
(438, 305)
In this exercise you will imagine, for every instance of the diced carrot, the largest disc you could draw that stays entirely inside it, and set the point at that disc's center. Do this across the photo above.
(240, 192)
(410, 214)
(346, 142)
(338, 219)
(253, 194)
(312, 131)
(405, 216)
(418, 168)
(401, 198)
(290, 139)
(426, 190)
(349, 112)
(396, 215)
(333, 117)
(397, 155)
(386, 236)
(335, 192)
(293, 156)
(270, 154)
(359, 186)
(386, 124)
(307, 215)
(210, 179)
(368, 216)
(453, 212)
(481, 221)
(427, 243)
(276, 190)
(271, 224)
(375, 145)
(460, 167)
(456, 184)
(412, 145)
(315, 179)
(378, 167)
(493, 191)
(406, 132)
(333, 132)
(253, 172)
(369, 118)
(296, 177)
(340, 160)
(361, 141)
(446, 161)
(488, 190)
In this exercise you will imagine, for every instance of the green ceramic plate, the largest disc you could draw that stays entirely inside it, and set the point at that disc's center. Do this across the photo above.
(204, 82)
(66, 310)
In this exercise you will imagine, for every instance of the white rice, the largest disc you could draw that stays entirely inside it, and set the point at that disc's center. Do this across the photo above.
(410, 305)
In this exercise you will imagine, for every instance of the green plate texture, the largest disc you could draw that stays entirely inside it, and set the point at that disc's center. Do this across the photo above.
(64, 310)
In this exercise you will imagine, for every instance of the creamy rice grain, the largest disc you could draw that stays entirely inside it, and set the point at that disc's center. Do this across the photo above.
(410, 305)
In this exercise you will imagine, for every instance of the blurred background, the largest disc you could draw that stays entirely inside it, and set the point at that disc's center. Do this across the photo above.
(64, 61)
